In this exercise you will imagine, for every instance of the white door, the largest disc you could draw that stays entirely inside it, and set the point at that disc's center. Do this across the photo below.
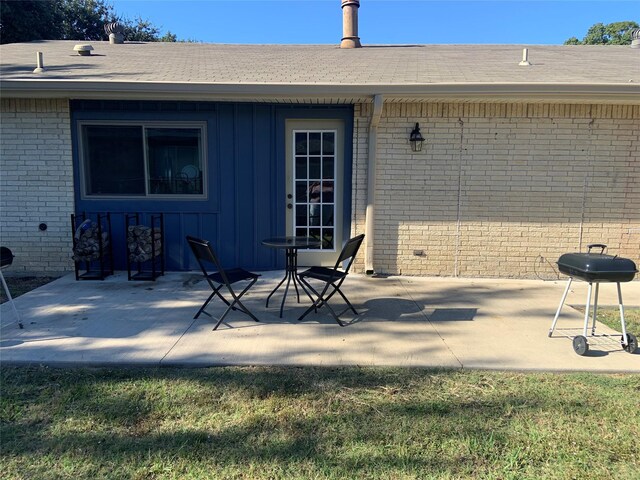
(315, 186)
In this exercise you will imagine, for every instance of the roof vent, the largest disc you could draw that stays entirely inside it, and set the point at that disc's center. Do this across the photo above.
(115, 32)
(635, 38)
(525, 58)
(39, 63)
(84, 50)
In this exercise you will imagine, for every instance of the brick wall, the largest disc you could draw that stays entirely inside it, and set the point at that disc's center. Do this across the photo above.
(499, 190)
(36, 184)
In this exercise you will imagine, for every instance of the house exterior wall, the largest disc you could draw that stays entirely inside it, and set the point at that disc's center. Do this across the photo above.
(40, 178)
(36, 184)
(499, 190)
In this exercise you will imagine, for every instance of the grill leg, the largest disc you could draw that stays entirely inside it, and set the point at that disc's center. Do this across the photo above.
(15, 310)
(622, 323)
(595, 310)
(586, 310)
(564, 297)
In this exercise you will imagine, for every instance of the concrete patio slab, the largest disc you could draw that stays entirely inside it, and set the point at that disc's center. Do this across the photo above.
(504, 324)
(402, 321)
(390, 330)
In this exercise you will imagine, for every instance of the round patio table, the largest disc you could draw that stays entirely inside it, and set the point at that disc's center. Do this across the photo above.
(291, 245)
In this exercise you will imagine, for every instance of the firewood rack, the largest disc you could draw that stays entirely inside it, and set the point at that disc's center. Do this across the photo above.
(145, 247)
(92, 245)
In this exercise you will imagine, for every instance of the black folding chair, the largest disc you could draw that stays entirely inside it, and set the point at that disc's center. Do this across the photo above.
(206, 257)
(332, 278)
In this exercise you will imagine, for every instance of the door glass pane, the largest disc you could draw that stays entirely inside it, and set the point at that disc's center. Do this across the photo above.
(315, 166)
(327, 193)
(301, 215)
(301, 143)
(328, 142)
(315, 143)
(301, 167)
(327, 238)
(314, 185)
(314, 203)
(327, 215)
(328, 167)
(113, 160)
(175, 164)
(301, 192)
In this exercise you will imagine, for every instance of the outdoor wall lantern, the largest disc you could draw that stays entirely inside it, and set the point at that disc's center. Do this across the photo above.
(416, 139)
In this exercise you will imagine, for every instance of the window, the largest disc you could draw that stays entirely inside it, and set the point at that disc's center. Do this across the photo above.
(142, 160)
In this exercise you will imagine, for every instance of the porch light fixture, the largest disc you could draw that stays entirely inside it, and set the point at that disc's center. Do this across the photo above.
(416, 139)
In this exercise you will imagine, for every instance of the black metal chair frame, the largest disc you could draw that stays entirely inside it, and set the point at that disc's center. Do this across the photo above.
(205, 254)
(332, 277)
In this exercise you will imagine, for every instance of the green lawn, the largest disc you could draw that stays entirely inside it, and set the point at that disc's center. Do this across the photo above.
(610, 316)
(316, 423)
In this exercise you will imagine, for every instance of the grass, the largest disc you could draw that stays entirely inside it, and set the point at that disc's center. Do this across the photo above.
(21, 285)
(610, 316)
(315, 423)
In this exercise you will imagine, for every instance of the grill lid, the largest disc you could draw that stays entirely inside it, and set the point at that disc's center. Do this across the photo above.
(6, 257)
(597, 267)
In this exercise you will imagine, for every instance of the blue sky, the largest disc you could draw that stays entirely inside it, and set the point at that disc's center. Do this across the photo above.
(381, 21)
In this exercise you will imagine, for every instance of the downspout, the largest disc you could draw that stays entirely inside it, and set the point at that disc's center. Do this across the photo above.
(369, 221)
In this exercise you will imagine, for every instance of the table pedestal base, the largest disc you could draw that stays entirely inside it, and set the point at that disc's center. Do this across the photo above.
(290, 276)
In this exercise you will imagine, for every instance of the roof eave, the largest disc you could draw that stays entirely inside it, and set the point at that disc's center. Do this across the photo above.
(466, 92)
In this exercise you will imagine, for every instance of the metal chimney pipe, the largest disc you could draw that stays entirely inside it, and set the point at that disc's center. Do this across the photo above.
(350, 37)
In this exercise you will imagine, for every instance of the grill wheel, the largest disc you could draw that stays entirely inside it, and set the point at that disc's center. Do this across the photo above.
(631, 344)
(580, 345)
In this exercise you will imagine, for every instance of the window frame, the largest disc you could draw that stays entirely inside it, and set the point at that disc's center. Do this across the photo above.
(144, 124)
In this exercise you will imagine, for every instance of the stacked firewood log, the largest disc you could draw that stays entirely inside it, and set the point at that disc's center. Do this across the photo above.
(87, 243)
(143, 243)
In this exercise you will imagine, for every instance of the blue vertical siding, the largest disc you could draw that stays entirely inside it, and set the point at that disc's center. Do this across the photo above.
(245, 177)
(267, 188)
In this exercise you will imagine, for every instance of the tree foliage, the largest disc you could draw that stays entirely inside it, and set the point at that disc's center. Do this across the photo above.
(28, 20)
(617, 33)
(141, 30)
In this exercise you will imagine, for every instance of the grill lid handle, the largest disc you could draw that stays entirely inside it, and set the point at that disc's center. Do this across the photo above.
(597, 245)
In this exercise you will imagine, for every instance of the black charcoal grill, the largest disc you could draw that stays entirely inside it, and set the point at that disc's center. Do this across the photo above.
(6, 257)
(596, 268)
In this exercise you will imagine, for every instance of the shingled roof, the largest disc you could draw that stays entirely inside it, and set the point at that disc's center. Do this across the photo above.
(323, 73)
